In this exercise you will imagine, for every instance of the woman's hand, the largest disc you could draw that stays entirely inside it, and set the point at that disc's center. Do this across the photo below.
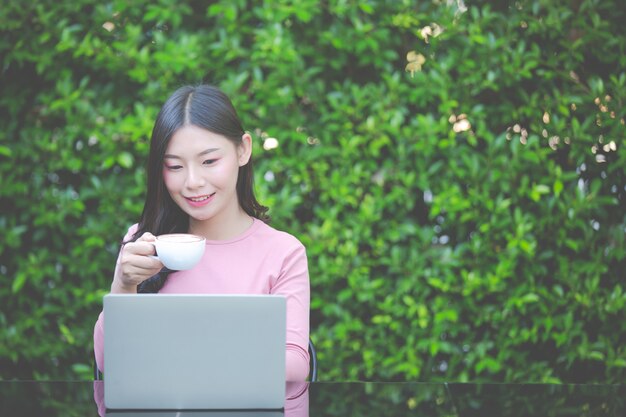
(135, 265)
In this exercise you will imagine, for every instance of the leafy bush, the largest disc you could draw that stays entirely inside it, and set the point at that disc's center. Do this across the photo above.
(455, 171)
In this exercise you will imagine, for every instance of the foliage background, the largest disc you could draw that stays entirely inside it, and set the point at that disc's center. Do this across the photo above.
(464, 220)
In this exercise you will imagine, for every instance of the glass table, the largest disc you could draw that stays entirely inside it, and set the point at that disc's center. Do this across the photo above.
(85, 398)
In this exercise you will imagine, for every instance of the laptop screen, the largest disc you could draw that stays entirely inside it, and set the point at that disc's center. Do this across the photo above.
(194, 351)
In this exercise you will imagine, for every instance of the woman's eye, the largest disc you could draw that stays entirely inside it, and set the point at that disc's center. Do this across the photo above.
(209, 161)
(173, 167)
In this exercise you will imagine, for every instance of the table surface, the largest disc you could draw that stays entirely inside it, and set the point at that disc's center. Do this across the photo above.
(84, 398)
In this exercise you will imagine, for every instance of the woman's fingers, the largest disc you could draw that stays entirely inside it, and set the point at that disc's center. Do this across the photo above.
(142, 248)
(137, 263)
(147, 237)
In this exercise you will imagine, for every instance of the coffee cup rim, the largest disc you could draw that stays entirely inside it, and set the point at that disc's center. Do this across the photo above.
(163, 237)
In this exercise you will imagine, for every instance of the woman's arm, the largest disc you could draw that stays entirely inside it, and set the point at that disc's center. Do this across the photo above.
(133, 266)
(293, 283)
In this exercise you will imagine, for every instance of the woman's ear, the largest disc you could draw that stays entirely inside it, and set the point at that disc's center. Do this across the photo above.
(244, 150)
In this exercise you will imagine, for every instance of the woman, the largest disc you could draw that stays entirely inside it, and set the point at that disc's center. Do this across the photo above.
(200, 181)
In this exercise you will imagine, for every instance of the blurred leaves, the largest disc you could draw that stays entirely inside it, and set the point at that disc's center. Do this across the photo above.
(463, 220)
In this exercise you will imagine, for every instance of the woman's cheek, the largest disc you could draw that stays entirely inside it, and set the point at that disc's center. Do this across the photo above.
(168, 178)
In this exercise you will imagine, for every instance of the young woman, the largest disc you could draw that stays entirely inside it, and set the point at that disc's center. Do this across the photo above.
(200, 181)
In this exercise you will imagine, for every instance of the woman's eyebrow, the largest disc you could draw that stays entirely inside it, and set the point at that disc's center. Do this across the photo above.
(207, 151)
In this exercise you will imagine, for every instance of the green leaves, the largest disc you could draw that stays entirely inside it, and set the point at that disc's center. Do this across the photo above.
(462, 222)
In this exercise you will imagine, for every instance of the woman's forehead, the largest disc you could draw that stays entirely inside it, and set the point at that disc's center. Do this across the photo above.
(195, 140)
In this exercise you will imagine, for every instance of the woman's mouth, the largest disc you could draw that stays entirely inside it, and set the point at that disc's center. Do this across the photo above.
(201, 200)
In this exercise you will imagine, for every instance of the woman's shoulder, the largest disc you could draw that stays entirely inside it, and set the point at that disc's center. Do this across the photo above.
(274, 236)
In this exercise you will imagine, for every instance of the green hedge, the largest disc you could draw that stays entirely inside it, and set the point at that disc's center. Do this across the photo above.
(456, 171)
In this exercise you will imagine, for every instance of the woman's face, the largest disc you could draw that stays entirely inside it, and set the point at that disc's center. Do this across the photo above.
(200, 170)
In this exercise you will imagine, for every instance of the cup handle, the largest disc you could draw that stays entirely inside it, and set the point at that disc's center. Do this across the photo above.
(154, 256)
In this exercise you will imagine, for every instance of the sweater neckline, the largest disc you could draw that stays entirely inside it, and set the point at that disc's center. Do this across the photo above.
(253, 227)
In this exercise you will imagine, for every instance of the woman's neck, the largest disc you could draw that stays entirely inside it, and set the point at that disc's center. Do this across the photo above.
(221, 229)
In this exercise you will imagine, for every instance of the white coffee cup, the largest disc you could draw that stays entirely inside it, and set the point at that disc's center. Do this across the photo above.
(179, 251)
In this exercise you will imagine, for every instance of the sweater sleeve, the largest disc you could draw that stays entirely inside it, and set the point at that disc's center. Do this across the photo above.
(98, 342)
(98, 337)
(293, 283)
(98, 329)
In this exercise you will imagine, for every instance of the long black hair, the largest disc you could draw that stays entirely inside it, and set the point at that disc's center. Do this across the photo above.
(209, 108)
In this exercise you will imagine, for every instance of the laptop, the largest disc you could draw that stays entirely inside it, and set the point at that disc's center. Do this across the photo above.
(194, 351)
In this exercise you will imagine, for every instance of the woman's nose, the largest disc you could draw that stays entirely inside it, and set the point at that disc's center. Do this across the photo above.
(194, 178)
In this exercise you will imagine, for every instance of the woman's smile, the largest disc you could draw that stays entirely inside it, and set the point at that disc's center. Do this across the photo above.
(200, 201)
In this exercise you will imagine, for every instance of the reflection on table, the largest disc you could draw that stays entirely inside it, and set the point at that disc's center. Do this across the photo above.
(28, 398)
(296, 405)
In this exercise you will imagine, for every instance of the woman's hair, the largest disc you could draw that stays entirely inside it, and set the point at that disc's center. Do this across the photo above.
(202, 106)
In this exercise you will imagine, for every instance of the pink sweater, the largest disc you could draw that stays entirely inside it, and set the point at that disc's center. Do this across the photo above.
(262, 260)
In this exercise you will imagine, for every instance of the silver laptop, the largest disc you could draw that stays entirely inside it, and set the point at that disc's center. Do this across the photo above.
(194, 351)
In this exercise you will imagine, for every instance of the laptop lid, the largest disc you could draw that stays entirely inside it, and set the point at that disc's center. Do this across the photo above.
(194, 351)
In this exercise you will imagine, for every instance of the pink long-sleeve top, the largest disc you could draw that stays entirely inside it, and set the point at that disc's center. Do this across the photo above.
(262, 260)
